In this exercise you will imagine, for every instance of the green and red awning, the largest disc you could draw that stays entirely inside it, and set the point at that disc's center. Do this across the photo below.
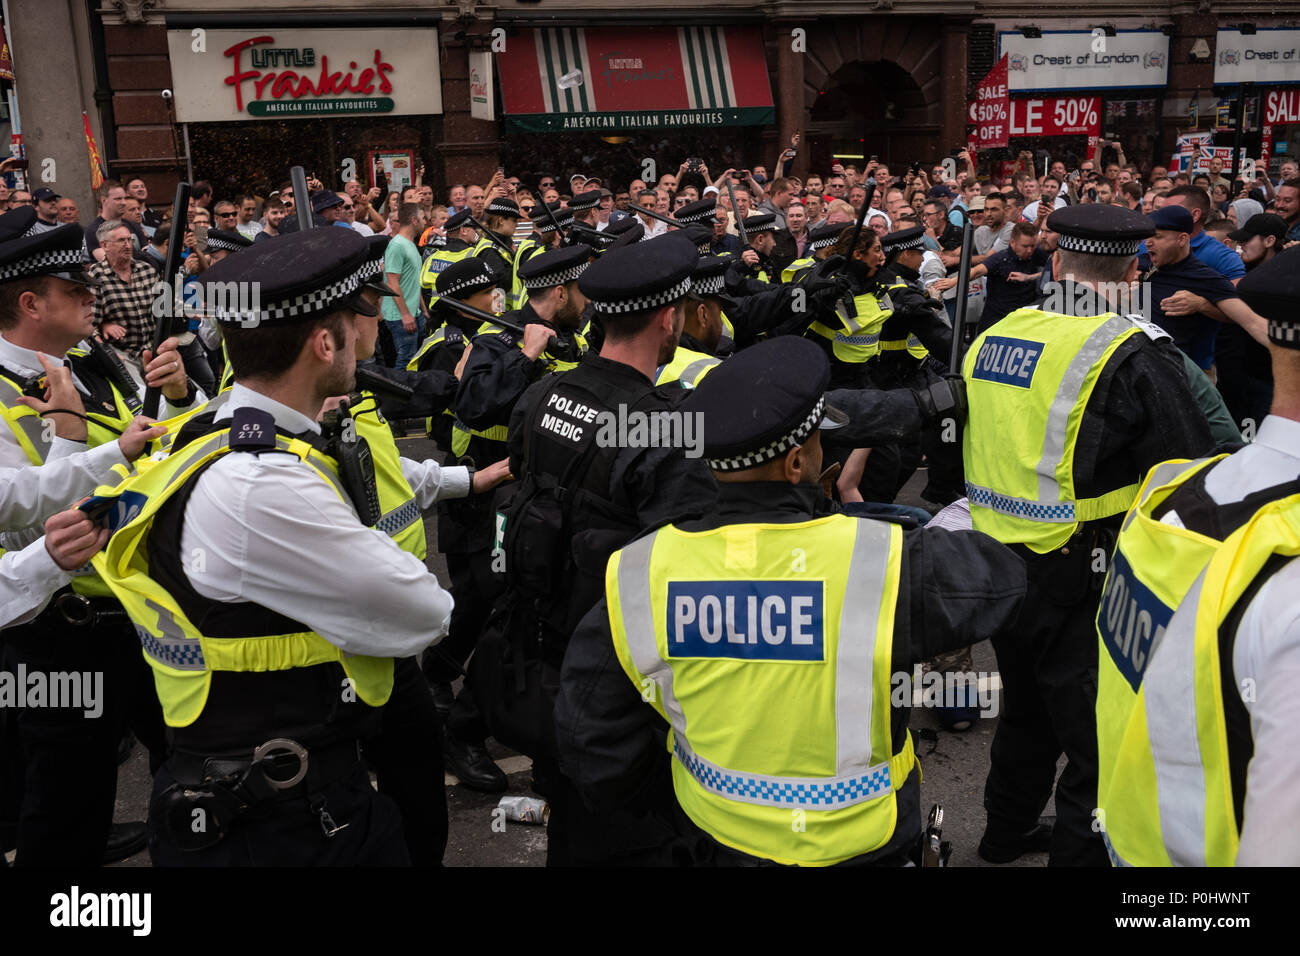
(610, 79)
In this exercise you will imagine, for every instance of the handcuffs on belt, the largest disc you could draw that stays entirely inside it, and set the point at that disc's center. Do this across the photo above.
(79, 611)
(197, 818)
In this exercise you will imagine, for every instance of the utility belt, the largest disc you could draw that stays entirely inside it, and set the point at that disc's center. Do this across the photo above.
(211, 792)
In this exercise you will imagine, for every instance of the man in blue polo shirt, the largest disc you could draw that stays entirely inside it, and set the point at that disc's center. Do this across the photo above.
(1204, 247)
(1188, 298)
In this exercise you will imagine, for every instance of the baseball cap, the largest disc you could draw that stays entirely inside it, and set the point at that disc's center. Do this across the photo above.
(1263, 224)
(45, 193)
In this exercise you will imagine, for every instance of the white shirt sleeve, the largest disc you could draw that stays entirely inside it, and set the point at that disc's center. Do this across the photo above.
(431, 482)
(28, 578)
(30, 495)
(1267, 652)
(267, 529)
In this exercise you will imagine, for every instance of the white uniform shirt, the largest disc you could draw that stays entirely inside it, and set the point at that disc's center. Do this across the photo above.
(1267, 652)
(23, 361)
(272, 532)
(29, 495)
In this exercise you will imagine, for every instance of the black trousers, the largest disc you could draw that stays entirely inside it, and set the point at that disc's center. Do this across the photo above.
(407, 758)
(289, 833)
(60, 765)
(1048, 666)
(474, 586)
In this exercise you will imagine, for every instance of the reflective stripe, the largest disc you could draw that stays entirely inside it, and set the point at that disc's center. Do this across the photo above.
(801, 793)
(399, 519)
(30, 424)
(855, 649)
(869, 339)
(1058, 511)
(1169, 696)
(1115, 858)
(1067, 396)
(173, 649)
(695, 368)
(856, 779)
(1157, 478)
(214, 444)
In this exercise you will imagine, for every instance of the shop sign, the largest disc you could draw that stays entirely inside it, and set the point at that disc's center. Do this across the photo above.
(1052, 116)
(482, 98)
(1266, 56)
(287, 74)
(1085, 59)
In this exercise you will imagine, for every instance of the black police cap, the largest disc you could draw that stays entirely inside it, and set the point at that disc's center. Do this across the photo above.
(825, 235)
(702, 210)
(1100, 230)
(1273, 290)
(708, 275)
(595, 239)
(627, 232)
(648, 275)
(763, 401)
(760, 222)
(542, 223)
(912, 238)
(502, 206)
(57, 252)
(375, 278)
(555, 267)
(459, 219)
(227, 240)
(298, 277)
(583, 201)
(699, 234)
(464, 278)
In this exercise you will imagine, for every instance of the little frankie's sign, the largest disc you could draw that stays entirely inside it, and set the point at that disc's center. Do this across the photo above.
(286, 74)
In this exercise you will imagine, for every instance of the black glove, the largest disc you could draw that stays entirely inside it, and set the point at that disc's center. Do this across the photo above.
(943, 399)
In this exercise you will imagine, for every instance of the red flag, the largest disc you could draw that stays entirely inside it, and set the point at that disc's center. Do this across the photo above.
(6, 60)
(96, 164)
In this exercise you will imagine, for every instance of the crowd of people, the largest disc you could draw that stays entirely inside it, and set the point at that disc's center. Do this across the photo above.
(810, 320)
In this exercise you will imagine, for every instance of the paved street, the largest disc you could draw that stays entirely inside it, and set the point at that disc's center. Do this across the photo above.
(953, 764)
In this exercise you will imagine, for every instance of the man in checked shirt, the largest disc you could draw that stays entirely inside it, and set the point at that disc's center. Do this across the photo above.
(123, 308)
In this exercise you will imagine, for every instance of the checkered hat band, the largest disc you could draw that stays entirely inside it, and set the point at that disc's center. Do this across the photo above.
(697, 216)
(652, 301)
(32, 230)
(580, 206)
(709, 285)
(543, 225)
(226, 245)
(702, 248)
(548, 279)
(754, 230)
(41, 263)
(1284, 334)
(1099, 247)
(376, 271)
(500, 210)
(775, 449)
(822, 243)
(310, 303)
(917, 243)
(480, 281)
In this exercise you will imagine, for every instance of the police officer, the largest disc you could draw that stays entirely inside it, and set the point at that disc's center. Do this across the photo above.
(702, 329)
(456, 246)
(820, 240)
(406, 754)
(579, 497)
(497, 244)
(1067, 412)
(1199, 642)
(68, 776)
(771, 649)
(583, 206)
(754, 269)
(544, 236)
(273, 649)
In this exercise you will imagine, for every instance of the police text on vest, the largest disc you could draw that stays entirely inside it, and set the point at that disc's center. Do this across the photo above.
(1006, 360)
(1131, 620)
(746, 620)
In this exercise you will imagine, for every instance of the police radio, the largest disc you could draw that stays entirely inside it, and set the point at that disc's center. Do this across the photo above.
(356, 466)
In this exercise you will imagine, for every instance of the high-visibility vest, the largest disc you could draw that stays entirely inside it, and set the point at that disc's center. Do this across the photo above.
(436, 263)
(774, 674)
(182, 657)
(1164, 788)
(858, 338)
(35, 440)
(1028, 380)
(792, 271)
(687, 368)
(518, 294)
(461, 434)
(400, 516)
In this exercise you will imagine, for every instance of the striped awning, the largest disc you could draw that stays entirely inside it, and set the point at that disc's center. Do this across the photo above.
(607, 79)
